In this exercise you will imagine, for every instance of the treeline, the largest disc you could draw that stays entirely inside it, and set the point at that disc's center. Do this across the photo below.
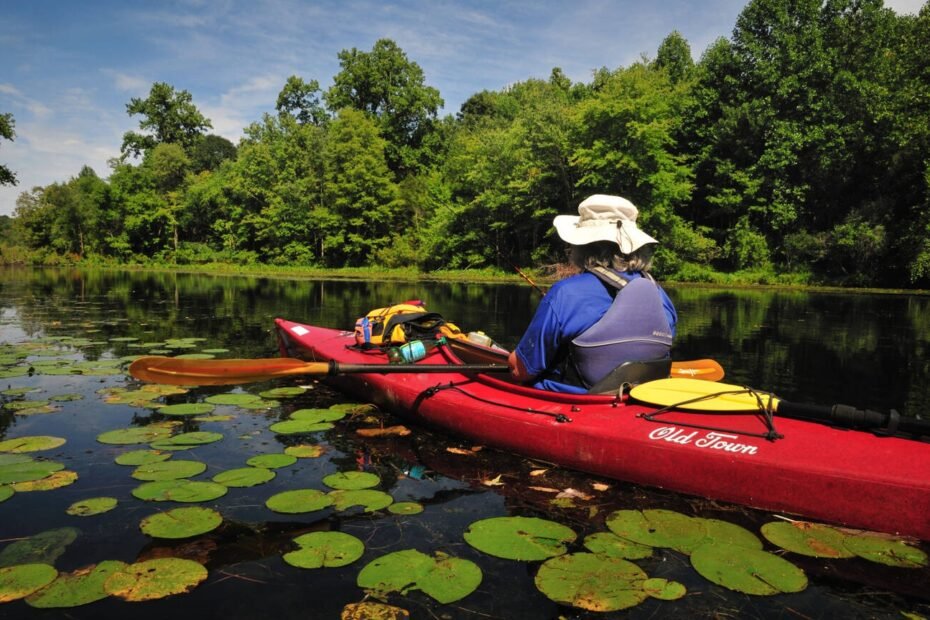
(797, 150)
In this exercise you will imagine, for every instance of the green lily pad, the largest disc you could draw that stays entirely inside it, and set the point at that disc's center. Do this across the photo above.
(183, 490)
(80, 587)
(272, 461)
(91, 506)
(28, 470)
(406, 508)
(168, 470)
(298, 501)
(305, 451)
(260, 405)
(718, 531)
(123, 339)
(297, 427)
(885, 550)
(20, 581)
(810, 539)
(658, 528)
(611, 545)
(19, 405)
(519, 538)
(142, 457)
(593, 582)
(352, 480)
(444, 578)
(43, 409)
(749, 571)
(218, 350)
(232, 399)
(325, 550)
(134, 435)
(186, 441)
(6, 493)
(65, 398)
(317, 415)
(16, 371)
(57, 480)
(244, 477)
(195, 356)
(20, 391)
(34, 443)
(181, 522)
(283, 392)
(367, 499)
(155, 579)
(185, 409)
(663, 589)
(42, 548)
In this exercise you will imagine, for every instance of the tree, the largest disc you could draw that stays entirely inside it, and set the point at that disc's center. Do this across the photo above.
(674, 55)
(390, 88)
(302, 101)
(168, 116)
(210, 151)
(7, 124)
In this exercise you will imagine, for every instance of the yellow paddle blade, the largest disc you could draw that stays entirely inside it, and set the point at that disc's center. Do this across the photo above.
(180, 371)
(706, 369)
(701, 395)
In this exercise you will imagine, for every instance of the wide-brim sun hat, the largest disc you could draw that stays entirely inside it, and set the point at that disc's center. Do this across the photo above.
(603, 218)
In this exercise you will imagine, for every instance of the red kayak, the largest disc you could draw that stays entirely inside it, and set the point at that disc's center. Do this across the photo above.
(812, 470)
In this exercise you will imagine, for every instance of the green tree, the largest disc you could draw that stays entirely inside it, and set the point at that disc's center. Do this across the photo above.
(302, 101)
(389, 87)
(168, 116)
(674, 55)
(209, 152)
(7, 125)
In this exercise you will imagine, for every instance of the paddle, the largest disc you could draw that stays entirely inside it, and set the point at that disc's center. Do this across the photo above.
(680, 393)
(177, 371)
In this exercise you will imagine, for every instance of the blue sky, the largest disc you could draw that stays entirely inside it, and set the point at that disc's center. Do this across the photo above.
(68, 69)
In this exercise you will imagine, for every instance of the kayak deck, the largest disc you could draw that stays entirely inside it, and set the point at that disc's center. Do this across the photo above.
(844, 477)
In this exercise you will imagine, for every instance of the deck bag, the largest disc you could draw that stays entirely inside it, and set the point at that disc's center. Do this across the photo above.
(398, 324)
(634, 328)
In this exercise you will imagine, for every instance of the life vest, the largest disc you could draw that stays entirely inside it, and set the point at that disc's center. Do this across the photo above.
(634, 328)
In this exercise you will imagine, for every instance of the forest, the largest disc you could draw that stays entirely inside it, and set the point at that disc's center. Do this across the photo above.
(796, 151)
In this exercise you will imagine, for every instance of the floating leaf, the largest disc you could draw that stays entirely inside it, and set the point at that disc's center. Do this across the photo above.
(719, 531)
(325, 550)
(34, 443)
(154, 579)
(747, 570)
(297, 427)
(6, 493)
(352, 480)
(367, 610)
(592, 582)
(244, 477)
(886, 550)
(299, 501)
(519, 538)
(658, 528)
(134, 435)
(663, 589)
(611, 545)
(305, 451)
(42, 548)
(810, 539)
(405, 508)
(57, 480)
(91, 506)
(186, 441)
(195, 356)
(80, 587)
(19, 405)
(181, 522)
(65, 398)
(318, 415)
(283, 392)
(168, 470)
(272, 461)
(444, 578)
(369, 500)
(179, 491)
(20, 581)
(28, 470)
(388, 431)
(185, 409)
(142, 457)
(232, 399)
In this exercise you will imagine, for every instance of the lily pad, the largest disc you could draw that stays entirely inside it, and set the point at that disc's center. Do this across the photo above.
(187, 491)
(283, 392)
(593, 582)
(272, 461)
(297, 427)
(185, 409)
(20, 581)
(370, 610)
(305, 451)
(65, 398)
(134, 435)
(232, 399)
(444, 578)
(34, 443)
(658, 528)
(80, 587)
(155, 579)
(42, 548)
(142, 457)
(6, 493)
(298, 501)
(244, 477)
(519, 538)
(325, 550)
(886, 550)
(352, 480)
(663, 589)
(317, 415)
(168, 470)
(57, 480)
(91, 506)
(406, 508)
(367, 499)
(28, 470)
(181, 522)
(810, 539)
(749, 571)
(611, 545)
(186, 441)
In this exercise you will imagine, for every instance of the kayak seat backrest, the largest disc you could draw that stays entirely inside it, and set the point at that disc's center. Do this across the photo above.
(629, 374)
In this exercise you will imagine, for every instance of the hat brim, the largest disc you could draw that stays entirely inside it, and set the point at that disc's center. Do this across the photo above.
(628, 236)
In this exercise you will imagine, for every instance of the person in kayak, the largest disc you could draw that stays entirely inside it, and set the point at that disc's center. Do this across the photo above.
(611, 313)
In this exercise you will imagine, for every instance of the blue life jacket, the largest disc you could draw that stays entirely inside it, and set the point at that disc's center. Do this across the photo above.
(634, 328)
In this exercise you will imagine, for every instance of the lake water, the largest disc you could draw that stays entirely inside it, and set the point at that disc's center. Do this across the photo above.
(860, 349)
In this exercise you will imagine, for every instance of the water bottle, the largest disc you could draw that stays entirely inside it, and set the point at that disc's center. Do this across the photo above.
(413, 351)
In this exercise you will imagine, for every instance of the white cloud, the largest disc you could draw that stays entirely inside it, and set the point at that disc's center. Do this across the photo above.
(18, 99)
(902, 7)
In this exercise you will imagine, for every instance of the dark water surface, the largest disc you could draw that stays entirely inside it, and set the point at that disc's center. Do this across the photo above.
(866, 350)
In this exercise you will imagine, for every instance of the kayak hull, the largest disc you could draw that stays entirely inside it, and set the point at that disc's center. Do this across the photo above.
(849, 478)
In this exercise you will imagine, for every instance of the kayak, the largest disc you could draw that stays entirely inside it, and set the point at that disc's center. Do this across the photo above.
(812, 470)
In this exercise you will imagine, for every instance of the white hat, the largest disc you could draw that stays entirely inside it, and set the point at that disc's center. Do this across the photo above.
(603, 218)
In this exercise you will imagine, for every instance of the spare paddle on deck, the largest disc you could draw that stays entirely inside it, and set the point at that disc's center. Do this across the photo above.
(178, 371)
(688, 394)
